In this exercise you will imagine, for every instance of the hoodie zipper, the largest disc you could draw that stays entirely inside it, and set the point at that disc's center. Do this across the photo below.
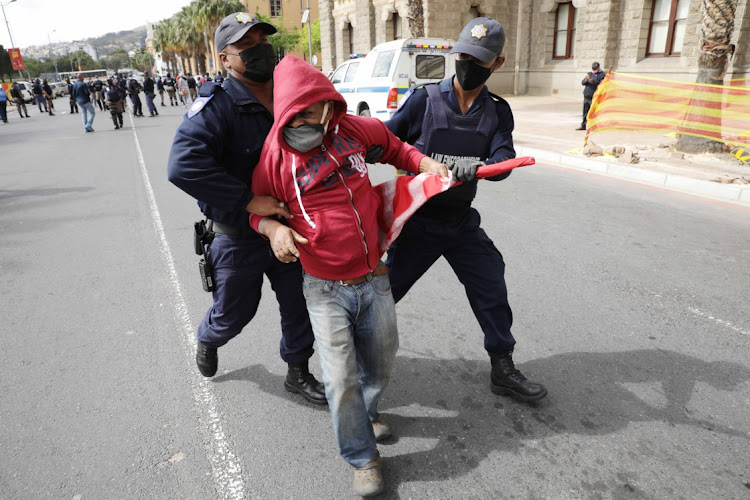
(351, 201)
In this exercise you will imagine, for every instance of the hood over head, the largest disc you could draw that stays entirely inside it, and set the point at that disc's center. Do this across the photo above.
(297, 85)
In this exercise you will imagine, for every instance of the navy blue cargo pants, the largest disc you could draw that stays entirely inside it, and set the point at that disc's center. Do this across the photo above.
(239, 264)
(475, 260)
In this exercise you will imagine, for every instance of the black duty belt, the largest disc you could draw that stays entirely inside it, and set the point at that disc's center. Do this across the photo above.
(218, 227)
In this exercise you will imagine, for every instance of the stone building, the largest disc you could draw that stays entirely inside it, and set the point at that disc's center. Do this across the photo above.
(550, 43)
(289, 13)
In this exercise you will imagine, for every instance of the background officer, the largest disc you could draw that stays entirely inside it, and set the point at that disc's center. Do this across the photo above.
(212, 159)
(458, 121)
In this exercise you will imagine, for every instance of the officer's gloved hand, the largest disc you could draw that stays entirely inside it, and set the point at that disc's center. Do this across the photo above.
(374, 153)
(465, 169)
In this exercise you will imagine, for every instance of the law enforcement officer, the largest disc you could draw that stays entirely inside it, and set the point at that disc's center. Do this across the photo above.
(17, 94)
(148, 90)
(171, 85)
(134, 88)
(458, 121)
(213, 156)
(160, 89)
(73, 103)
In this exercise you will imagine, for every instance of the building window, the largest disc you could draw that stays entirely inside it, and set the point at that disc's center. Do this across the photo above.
(565, 31)
(667, 29)
(275, 8)
(396, 20)
(350, 38)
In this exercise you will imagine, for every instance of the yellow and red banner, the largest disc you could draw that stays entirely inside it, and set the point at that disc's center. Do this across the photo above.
(626, 102)
(15, 59)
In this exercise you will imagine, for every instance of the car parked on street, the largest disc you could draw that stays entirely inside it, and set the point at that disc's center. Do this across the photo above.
(59, 88)
(376, 84)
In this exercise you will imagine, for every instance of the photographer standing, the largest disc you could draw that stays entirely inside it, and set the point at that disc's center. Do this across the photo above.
(590, 83)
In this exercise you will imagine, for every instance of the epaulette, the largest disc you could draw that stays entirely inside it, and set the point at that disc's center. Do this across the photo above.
(198, 105)
(494, 97)
(409, 93)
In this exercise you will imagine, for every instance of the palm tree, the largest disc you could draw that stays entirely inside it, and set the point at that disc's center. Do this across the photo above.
(716, 32)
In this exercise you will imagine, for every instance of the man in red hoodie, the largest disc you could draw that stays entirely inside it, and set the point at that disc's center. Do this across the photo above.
(314, 161)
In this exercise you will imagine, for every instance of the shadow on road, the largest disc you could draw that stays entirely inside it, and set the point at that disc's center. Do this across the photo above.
(449, 401)
(6, 194)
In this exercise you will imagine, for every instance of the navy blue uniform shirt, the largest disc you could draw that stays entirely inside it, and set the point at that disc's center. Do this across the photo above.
(406, 124)
(216, 149)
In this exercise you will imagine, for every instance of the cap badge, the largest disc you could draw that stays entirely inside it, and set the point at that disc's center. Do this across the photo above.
(245, 18)
(478, 31)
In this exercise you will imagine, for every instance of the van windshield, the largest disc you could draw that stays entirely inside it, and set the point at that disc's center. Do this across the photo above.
(383, 64)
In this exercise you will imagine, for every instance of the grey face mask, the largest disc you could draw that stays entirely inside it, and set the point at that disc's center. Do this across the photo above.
(305, 137)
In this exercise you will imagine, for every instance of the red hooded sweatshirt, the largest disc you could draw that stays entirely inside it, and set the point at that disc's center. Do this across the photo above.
(327, 189)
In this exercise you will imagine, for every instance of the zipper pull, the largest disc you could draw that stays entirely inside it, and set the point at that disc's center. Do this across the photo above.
(323, 147)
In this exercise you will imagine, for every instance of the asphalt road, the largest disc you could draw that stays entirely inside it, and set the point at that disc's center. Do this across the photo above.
(630, 304)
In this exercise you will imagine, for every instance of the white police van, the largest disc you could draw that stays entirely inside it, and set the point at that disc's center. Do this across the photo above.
(376, 84)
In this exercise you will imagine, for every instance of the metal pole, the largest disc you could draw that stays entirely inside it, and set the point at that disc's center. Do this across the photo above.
(517, 66)
(309, 31)
(7, 25)
(54, 59)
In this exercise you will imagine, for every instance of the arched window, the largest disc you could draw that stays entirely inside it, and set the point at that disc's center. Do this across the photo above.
(396, 23)
(667, 29)
(565, 31)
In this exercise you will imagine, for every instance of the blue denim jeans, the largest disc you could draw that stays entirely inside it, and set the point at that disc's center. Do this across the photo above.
(88, 113)
(355, 327)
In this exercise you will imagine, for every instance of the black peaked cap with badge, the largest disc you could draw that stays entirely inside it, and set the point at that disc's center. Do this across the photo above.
(234, 26)
(482, 37)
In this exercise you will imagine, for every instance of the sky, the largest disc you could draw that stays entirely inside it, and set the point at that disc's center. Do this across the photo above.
(32, 20)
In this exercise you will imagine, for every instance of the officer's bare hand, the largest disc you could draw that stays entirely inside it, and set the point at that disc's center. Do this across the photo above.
(465, 169)
(430, 166)
(268, 205)
(283, 242)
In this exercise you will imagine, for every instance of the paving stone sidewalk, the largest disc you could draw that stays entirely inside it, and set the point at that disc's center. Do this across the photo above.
(545, 129)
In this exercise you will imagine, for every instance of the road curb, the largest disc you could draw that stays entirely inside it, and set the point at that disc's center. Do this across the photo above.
(706, 189)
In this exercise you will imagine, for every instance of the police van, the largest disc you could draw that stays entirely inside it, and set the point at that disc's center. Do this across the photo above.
(376, 84)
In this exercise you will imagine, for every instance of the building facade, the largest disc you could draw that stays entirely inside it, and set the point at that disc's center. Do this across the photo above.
(289, 13)
(550, 44)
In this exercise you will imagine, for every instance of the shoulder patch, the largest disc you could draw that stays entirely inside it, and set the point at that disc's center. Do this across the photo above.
(409, 93)
(198, 105)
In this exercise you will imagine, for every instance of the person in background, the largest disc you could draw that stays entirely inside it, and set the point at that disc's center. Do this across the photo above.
(171, 86)
(17, 94)
(148, 90)
(47, 91)
(134, 88)
(160, 89)
(115, 101)
(38, 92)
(71, 97)
(3, 105)
(82, 95)
(590, 82)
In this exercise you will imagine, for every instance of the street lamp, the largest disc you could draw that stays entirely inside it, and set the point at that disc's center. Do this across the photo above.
(12, 45)
(54, 59)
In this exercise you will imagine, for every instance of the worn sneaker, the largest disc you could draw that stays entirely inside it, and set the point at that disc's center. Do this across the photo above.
(207, 360)
(381, 429)
(368, 480)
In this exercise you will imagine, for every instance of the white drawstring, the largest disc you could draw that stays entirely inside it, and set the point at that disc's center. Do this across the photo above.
(296, 190)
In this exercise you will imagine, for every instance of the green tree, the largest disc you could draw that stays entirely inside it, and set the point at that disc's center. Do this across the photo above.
(87, 62)
(6, 67)
(716, 33)
(116, 60)
(304, 42)
(143, 61)
(284, 40)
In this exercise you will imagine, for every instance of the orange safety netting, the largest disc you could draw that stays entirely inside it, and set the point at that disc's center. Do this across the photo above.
(635, 103)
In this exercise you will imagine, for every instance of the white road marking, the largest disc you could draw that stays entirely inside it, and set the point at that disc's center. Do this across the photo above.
(226, 467)
(722, 322)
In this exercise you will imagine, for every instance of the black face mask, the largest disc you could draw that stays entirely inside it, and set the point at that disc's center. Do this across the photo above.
(471, 75)
(259, 62)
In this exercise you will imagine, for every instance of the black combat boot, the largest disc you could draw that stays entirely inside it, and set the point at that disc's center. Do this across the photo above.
(207, 360)
(506, 380)
(300, 380)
